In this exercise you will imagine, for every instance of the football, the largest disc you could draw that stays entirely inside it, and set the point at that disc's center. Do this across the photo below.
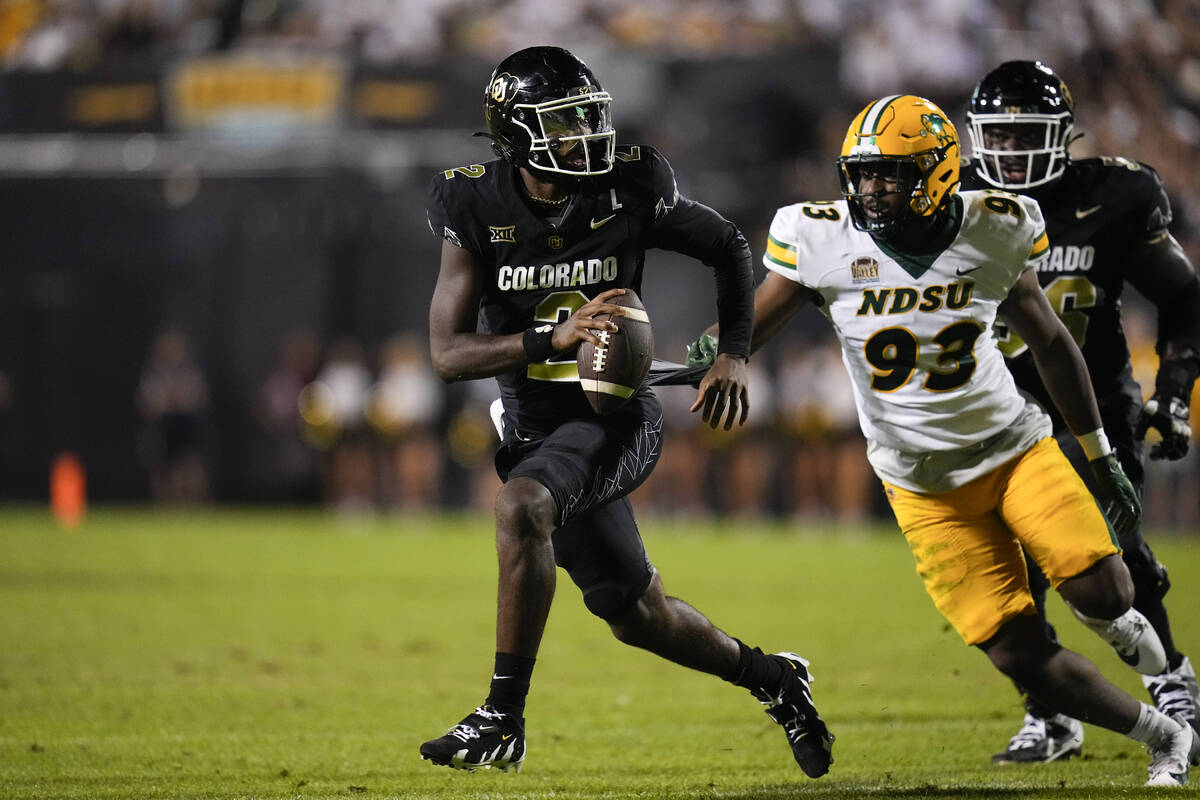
(611, 374)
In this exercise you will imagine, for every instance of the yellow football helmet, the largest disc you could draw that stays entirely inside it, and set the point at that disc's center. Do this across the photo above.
(912, 143)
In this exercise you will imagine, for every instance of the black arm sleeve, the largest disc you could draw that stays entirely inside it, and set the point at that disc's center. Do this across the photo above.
(696, 230)
(1179, 322)
(1157, 266)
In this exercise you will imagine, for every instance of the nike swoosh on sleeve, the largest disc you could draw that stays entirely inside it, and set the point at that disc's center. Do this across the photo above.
(598, 223)
(1080, 213)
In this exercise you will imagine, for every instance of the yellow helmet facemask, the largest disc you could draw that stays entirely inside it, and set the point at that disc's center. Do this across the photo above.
(909, 141)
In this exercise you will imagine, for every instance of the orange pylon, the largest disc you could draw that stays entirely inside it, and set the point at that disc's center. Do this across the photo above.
(68, 490)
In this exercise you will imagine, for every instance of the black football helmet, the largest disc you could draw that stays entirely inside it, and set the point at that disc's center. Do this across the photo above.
(1025, 105)
(545, 111)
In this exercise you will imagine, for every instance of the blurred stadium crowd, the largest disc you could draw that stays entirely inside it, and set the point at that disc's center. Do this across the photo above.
(362, 431)
(739, 94)
(1134, 64)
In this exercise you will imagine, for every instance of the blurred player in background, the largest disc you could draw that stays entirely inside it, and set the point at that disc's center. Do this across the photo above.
(912, 274)
(535, 245)
(1107, 220)
(173, 398)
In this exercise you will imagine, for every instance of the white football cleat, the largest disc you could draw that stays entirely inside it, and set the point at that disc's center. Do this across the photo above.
(1170, 755)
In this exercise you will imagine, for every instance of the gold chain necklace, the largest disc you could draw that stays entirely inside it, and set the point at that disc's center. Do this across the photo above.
(537, 198)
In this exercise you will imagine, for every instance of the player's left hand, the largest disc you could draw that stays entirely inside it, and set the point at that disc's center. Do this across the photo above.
(724, 392)
(1168, 414)
(1122, 506)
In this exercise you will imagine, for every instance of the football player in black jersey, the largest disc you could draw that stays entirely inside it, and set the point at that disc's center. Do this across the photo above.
(535, 245)
(1107, 219)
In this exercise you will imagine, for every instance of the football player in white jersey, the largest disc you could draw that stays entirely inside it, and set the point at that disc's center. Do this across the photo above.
(911, 274)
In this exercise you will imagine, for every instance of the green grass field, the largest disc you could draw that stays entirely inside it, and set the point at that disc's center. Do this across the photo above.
(282, 654)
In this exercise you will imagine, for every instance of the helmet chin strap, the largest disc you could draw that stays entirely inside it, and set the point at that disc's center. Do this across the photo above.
(567, 182)
(500, 147)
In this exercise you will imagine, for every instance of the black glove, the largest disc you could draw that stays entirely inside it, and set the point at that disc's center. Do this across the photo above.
(1167, 409)
(702, 352)
(1122, 506)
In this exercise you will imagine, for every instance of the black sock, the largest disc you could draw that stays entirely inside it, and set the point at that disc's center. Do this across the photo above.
(756, 671)
(510, 684)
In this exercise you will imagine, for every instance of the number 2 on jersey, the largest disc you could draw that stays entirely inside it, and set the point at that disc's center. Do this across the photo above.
(555, 309)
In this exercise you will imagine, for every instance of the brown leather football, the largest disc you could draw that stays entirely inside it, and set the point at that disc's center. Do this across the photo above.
(611, 374)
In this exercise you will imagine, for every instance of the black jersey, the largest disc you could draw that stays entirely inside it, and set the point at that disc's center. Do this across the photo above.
(535, 270)
(1096, 213)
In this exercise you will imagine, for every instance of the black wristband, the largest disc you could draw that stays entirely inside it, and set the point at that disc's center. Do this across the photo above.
(537, 343)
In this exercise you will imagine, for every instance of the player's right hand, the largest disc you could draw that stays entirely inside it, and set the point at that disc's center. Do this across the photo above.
(1122, 506)
(1167, 414)
(582, 325)
(724, 392)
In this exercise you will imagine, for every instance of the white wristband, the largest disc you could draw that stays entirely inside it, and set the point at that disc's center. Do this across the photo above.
(1095, 444)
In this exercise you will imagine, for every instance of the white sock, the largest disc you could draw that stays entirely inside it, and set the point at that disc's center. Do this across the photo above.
(1152, 726)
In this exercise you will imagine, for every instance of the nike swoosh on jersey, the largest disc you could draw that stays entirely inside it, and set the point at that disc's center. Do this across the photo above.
(961, 271)
(1080, 213)
(598, 223)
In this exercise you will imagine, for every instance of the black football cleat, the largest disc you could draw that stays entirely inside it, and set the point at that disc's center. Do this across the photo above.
(1177, 695)
(1042, 740)
(485, 738)
(792, 707)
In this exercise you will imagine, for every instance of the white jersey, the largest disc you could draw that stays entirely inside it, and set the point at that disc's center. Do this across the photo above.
(934, 397)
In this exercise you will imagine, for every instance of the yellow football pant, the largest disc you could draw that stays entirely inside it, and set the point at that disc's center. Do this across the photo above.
(967, 542)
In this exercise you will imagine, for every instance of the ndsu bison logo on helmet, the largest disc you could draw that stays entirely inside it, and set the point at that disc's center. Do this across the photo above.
(937, 127)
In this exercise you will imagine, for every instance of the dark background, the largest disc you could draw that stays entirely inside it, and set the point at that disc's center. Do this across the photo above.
(125, 209)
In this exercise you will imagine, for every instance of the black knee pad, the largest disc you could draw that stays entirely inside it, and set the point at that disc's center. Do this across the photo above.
(1150, 579)
(608, 600)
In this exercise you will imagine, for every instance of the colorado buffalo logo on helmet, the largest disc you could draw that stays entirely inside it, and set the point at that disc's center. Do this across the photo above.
(503, 88)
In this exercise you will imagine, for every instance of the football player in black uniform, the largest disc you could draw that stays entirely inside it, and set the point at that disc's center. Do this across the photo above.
(535, 244)
(1107, 220)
